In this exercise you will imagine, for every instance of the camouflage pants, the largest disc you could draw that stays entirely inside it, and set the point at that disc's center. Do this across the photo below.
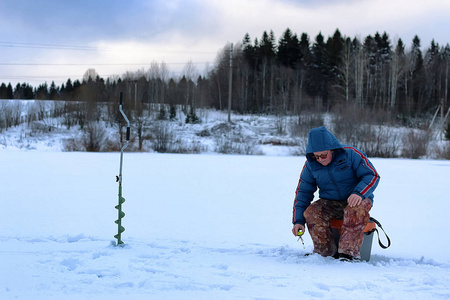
(318, 217)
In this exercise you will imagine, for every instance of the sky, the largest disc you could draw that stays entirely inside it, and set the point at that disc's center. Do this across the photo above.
(53, 40)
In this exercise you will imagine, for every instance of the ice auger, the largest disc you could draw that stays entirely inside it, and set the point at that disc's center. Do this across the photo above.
(121, 214)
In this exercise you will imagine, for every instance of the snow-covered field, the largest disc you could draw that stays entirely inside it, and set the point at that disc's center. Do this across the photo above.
(206, 227)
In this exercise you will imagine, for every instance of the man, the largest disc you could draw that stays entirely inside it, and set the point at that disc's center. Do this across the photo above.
(346, 180)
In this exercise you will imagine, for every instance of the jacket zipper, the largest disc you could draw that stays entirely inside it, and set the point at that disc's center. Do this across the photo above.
(334, 182)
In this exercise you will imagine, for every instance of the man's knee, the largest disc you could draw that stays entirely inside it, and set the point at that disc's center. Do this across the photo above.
(311, 212)
(308, 213)
(364, 207)
(359, 213)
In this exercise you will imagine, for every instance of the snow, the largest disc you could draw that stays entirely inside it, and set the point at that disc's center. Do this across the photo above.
(205, 227)
(202, 226)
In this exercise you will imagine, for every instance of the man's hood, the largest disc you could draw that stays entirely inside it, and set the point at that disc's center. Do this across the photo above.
(320, 139)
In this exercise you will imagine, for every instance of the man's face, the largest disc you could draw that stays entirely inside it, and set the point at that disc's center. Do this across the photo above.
(323, 157)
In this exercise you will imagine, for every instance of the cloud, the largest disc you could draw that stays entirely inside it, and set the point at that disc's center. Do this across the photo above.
(86, 20)
(352, 17)
(176, 31)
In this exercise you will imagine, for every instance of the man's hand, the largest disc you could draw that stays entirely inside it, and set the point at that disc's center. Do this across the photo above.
(354, 200)
(298, 227)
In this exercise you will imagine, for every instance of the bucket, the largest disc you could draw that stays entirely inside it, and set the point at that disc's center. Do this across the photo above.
(366, 247)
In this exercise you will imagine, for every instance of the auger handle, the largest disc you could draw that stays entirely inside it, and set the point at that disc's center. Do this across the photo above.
(125, 117)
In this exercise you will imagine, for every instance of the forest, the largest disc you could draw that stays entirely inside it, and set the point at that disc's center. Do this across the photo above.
(371, 80)
(288, 76)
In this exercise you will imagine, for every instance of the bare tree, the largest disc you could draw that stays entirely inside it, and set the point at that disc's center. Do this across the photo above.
(359, 65)
(345, 70)
(396, 72)
(190, 73)
(90, 75)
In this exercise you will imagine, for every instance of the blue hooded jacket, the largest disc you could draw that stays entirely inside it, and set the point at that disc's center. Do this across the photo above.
(349, 172)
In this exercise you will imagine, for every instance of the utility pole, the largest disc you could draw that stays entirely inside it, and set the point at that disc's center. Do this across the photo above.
(135, 94)
(441, 131)
(444, 101)
(230, 85)
(130, 91)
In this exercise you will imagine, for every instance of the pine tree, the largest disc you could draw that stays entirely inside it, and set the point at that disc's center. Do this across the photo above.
(383, 59)
(69, 86)
(289, 50)
(267, 45)
(417, 75)
(42, 91)
(267, 50)
(53, 92)
(305, 52)
(9, 91)
(317, 78)
(334, 59)
(248, 49)
(3, 91)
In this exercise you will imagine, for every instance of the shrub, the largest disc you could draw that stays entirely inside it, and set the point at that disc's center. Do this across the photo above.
(301, 125)
(163, 138)
(236, 145)
(415, 143)
(112, 145)
(173, 113)
(162, 114)
(192, 117)
(93, 137)
(189, 147)
(440, 150)
(72, 144)
(381, 141)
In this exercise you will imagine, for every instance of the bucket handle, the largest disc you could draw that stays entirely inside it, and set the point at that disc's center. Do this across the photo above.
(378, 234)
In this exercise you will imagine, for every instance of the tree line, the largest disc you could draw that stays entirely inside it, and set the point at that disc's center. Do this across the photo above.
(287, 76)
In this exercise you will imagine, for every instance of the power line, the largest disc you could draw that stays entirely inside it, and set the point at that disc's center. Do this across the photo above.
(45, 46)
(37, 77)
(7, 44)
(27, 76)
(90, 64)
(59, 77)
(95, 48)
